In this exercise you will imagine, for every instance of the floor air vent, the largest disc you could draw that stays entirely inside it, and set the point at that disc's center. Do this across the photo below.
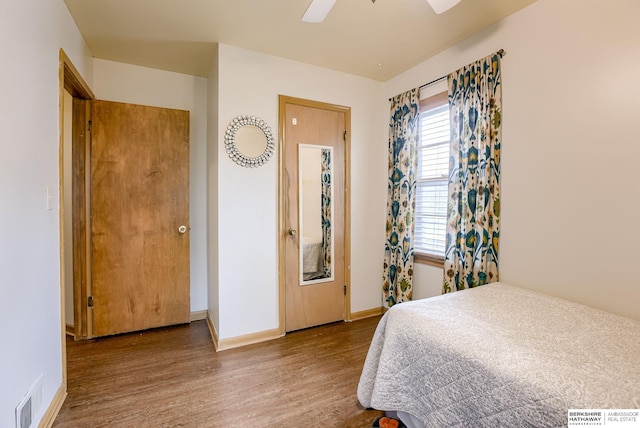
(30, 405)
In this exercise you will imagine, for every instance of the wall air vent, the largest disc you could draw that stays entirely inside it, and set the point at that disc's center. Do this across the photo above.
(29, 407)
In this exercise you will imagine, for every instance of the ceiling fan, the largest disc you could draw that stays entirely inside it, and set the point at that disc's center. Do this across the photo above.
(318, 9)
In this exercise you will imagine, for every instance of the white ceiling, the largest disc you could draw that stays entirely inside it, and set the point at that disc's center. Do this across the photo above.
(376, 40)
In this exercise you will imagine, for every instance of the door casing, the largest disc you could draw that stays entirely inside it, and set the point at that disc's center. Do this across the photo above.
(71, 81)
(282, 227)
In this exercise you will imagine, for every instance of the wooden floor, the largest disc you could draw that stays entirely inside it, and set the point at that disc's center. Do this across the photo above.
(173, 377)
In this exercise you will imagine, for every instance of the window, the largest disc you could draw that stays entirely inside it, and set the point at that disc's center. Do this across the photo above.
(432, 178)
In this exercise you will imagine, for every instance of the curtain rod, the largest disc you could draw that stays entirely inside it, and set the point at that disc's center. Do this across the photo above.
(501, 52)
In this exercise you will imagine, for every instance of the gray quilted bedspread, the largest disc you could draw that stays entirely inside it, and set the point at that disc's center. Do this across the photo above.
(499, 355)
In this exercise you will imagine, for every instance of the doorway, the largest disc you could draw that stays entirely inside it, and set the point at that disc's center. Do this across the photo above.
(314, 213)
(129, 184)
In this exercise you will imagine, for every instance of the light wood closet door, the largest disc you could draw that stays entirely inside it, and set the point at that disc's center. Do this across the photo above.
(312, 128)
(139, 217)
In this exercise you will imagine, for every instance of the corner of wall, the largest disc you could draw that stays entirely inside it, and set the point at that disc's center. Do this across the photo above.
(213, 317)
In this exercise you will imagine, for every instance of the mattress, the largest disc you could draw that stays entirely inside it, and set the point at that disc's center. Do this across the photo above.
(500, 355)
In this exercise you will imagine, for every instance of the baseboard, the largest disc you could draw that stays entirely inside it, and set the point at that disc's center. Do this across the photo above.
(236, 342)
(369, 313)
(54, 408)
(263, 336)
(198, 315)
(248, 339)
(212, 331)
(70, 330)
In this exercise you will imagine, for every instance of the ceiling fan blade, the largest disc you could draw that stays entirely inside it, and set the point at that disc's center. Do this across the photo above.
(318, 10)
(440, 6)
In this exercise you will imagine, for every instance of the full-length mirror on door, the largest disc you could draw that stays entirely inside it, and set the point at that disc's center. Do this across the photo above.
(316, 206)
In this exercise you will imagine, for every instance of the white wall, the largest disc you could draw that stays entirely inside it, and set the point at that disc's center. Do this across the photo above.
(249, 83)
(569, 178)
(31, 34)
(114, 81)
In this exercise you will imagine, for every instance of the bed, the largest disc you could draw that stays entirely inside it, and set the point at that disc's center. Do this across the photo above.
(499, 355)
(312, 258)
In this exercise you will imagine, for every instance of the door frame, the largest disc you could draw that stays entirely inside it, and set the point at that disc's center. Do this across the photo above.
(71, 81)
(283, 100)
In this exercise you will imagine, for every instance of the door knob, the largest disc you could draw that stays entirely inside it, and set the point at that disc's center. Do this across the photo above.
(182, 229)
(292, 232)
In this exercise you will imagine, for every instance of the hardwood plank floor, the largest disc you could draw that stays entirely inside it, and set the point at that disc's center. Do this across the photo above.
(172, 377)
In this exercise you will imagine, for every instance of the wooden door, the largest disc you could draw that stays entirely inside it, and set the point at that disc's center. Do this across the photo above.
(139, 217)
(312, 300)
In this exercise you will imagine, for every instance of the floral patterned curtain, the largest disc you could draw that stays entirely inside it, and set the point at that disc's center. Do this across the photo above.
(325, 207)
(473, 218)
(398, 249)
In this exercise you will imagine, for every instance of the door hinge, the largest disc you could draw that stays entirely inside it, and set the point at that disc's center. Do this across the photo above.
(89, 125)
(345, 136)
(90, 302)
(345, 289)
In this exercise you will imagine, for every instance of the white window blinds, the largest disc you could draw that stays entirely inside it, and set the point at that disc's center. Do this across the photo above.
(432, 181)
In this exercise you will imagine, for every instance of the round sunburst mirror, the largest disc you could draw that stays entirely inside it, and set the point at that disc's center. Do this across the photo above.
(249, 141)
